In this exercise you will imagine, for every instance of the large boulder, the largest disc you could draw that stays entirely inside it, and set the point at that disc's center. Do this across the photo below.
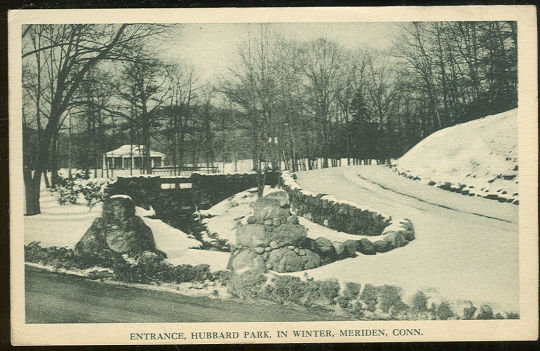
(280, 195)
(325, 249)
(266, 208)
(340, 248)
(118, 230)
(382, 246)
(288, 234)
(285, 260)
(397, 239)
(345, 249)
(365, 247)
(246, 260)
(118, 208)
(311, 259)
(131, 236)
(308, 243)
(251, 235)
(350, 248)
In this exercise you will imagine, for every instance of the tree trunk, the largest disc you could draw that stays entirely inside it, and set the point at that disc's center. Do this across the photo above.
(33, 182)
(46, 178)
(31, 200)
(54, 161)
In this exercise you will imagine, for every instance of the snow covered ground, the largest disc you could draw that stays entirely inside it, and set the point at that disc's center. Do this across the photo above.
(466, 248)
(64, 226)
(481, 154)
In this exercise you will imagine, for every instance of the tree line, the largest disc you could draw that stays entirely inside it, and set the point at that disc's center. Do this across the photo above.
(88, 89)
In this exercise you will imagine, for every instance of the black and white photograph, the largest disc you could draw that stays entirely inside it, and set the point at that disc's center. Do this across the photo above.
(285, 180)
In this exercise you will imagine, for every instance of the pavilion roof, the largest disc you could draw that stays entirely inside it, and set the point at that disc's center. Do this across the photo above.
(129, 150)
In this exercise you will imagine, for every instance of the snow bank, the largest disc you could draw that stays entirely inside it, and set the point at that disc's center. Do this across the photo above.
(63, 226)
(478, 158)
(58, 225)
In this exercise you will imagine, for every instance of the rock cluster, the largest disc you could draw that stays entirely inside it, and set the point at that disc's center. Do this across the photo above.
(273, 239)
(500, 195)
(117, 231)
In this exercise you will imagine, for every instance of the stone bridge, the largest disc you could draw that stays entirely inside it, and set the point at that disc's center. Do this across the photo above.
(176, 198)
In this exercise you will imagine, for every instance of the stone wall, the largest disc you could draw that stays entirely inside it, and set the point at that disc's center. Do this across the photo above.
(500, 195)
(335, 214)
(349, 218)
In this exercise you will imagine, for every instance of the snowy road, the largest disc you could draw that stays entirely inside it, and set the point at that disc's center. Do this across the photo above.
(466, 248)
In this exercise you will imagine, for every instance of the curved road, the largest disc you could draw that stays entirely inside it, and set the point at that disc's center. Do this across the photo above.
(466, 248)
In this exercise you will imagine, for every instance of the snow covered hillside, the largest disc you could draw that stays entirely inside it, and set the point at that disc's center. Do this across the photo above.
(475, 158)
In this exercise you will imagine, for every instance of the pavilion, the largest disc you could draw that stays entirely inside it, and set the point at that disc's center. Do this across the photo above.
(127, 155)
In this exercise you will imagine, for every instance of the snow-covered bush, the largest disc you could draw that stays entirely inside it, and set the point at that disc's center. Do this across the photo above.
(222, 277)
(65, 181)
(153, 268)
(351, 290)
(248, 285)
(61, 257)
(330, 289)
(67, 195)
(468, 311)
(369, 297)
(343, 301)
(293, 289)
(145, 268)
(443, 311)
(485, 312)
(94, 190)
(419, 303)
(390, 299)
(69, 189)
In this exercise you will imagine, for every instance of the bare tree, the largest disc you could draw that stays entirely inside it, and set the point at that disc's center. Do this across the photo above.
(322, 65)
(182, 88)
(71, 50)
(254, 87)
(143, 87)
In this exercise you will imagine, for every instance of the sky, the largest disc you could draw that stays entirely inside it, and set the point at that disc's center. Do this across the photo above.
(211, 48)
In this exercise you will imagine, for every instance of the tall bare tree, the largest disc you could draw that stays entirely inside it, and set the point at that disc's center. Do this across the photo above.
(70, 51)
(254, 87)
(322, 65)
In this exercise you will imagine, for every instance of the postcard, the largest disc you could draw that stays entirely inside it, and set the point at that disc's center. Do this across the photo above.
(273, 175)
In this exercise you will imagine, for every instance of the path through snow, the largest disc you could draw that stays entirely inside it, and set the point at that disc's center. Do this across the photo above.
(466, 248)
